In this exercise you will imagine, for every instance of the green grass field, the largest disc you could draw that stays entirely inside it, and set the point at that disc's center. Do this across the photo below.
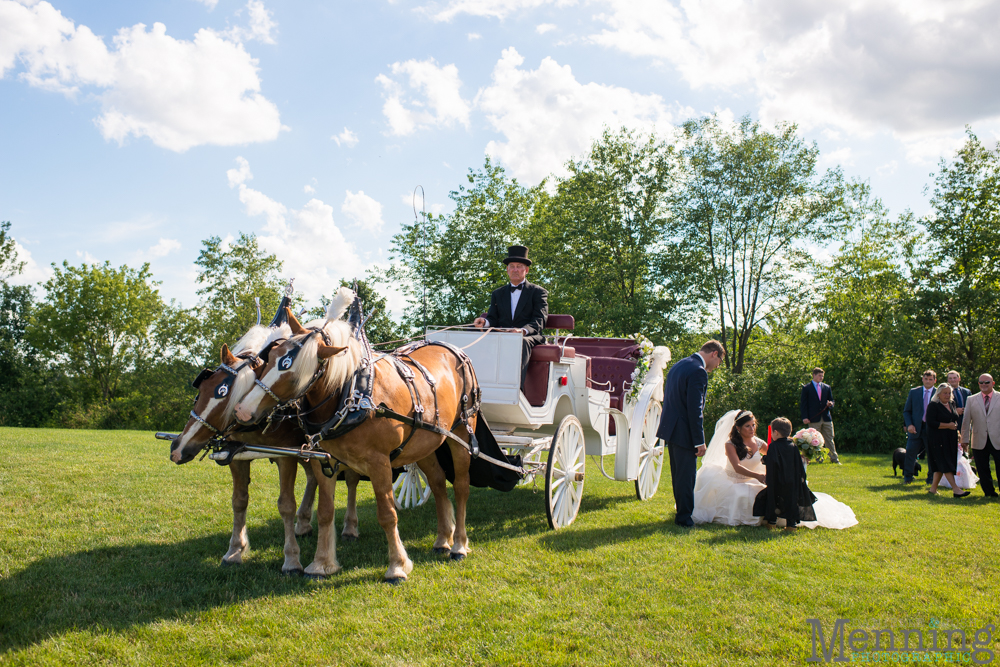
(109, 554)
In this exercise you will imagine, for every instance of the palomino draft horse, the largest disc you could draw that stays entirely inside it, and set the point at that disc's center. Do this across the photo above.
(431, 387)
(212, 418)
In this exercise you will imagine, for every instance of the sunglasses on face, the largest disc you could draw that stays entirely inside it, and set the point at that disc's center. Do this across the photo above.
(986, 382)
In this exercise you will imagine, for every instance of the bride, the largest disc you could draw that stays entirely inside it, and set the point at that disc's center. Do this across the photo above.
(732, 474)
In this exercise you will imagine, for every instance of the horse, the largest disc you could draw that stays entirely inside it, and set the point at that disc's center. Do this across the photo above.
(315, 364)
(212, 416)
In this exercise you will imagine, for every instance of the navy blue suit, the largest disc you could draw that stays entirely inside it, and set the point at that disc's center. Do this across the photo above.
(960, 396)
(682, 428)
(913, 415)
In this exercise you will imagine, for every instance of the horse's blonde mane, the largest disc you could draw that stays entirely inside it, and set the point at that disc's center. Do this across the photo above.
(254, 341)
(340, 367)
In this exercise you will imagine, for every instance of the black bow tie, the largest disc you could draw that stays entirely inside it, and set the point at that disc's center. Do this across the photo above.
(514, 288)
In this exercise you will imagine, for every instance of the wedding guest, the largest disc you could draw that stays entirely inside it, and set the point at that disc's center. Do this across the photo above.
(942, 445)
(915, 418)
(959, 394)
(981, 428)
(815, 402)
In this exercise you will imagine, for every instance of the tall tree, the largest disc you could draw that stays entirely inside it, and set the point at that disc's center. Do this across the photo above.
(752, 201)
(232, 275)
(452, 262)
(95, 322)
(600, 240)
(380, 327)
(961, 295)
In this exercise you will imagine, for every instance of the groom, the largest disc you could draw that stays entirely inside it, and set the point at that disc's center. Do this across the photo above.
(682, 423)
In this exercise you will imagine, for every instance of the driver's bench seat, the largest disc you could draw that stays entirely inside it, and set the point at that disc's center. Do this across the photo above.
(536, 380)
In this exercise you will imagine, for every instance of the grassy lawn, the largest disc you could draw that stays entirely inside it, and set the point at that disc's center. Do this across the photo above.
(109, 554)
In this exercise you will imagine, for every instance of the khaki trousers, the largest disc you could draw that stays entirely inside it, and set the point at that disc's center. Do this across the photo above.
(826, 430)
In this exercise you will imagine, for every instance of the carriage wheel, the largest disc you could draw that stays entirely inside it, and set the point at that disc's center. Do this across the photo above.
(411, 488)
(564, 473)
(651, 451)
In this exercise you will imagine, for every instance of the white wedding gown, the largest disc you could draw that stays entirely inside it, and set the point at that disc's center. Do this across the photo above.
(721, 495)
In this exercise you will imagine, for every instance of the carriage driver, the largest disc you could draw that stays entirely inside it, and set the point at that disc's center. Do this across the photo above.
(519, 305)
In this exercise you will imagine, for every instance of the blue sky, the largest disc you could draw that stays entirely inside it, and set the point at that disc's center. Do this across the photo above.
(133, 130)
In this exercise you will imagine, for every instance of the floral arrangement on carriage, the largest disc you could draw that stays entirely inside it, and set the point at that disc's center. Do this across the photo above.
(642, 364)
(810, 444)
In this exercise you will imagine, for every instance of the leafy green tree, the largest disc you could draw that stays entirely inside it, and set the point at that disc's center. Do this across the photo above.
(751, 203)
(451, 263)
(960, 301)
(870, 341)
(600, 240)
(95, 323)
(231, 276)
(380, 326)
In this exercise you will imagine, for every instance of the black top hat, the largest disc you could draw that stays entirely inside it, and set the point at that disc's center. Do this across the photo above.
(517, 253)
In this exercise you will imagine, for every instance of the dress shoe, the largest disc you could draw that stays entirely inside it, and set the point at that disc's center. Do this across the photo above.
(993, 495)
(791, 529)
(960, 495)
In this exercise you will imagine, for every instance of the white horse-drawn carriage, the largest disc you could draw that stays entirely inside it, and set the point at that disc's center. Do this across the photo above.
(578, 400)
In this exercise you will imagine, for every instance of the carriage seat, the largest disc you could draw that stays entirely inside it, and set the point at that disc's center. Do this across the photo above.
(536, 379)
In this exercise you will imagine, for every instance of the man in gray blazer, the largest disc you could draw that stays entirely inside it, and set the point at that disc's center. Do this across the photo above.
(982, 420)
(915, 418)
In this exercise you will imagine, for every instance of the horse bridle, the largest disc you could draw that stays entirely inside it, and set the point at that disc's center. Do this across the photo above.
(285, 362)
(250, 359)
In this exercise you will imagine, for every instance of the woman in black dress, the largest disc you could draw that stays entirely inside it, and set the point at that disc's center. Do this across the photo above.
(942, 425)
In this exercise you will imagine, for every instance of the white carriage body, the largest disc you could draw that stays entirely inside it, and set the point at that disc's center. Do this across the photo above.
(496, 357)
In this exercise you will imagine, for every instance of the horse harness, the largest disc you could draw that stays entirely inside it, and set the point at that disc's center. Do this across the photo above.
(357, 405)
(223, 388)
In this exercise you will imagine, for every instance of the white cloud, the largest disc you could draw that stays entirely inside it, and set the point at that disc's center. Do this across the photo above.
(916, 67)
(260, 28)
(308, 189)
(32, 273)
(547, 116)
(543, 28)
(887, 169)
(346, 138)
(87, 257)
(489, 8)
(308, 241)
(839, 157)
(209, 3)
(436, 101)
(178, 93)
(473, 36)
(241, 175)
(164, 247)
(364, 211)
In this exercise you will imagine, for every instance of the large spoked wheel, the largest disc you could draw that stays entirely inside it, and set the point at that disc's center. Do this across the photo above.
(411, 488)
(564, 473)
(651, 453)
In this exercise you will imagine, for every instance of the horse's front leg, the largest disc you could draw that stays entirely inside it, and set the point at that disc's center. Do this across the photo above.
(303, 518)
(287, 469)
(460, 456)
(325, 560)
(239, 543)
(445, 511)
(399, 563)
(350, 533)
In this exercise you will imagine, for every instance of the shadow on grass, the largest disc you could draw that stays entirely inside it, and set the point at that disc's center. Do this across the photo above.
(120, 587)
(709, 534)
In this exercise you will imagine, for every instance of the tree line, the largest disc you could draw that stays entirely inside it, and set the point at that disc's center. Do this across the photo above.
(725, 231)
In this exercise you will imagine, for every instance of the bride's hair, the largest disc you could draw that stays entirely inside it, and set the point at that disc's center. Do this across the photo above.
(736, 438)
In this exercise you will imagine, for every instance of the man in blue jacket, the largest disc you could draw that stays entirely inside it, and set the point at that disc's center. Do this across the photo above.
(815, 401)
(915, 418)
(682, 422)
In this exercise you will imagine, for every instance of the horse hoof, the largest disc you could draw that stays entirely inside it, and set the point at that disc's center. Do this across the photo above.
(308, 533)
(457, 557)
(348, 538)
(292, 573)
(441, 551)
(395, 581)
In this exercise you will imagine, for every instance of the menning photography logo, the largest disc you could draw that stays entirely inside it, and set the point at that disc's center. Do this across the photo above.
(931, 644)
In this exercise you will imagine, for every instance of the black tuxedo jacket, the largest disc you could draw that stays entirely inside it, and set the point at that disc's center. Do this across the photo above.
(532, 309)
(812, 406)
